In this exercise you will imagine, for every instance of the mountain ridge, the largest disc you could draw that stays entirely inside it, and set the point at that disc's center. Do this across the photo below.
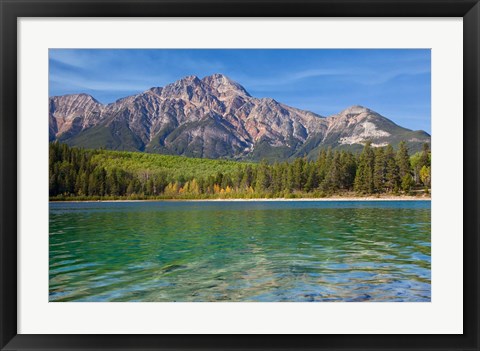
(216, 117)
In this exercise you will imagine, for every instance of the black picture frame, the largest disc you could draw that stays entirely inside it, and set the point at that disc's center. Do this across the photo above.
(11, 10)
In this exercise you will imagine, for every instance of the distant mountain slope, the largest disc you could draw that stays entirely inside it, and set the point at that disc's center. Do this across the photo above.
(215, 117)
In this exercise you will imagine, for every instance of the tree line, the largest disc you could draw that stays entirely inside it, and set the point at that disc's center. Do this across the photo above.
(76, 173)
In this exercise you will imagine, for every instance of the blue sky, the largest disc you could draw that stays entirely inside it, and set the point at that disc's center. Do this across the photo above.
(395, 83)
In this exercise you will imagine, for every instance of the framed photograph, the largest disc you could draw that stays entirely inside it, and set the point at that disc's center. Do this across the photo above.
(225, 175)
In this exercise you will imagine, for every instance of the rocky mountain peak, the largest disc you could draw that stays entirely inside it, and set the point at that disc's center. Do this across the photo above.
(217, 76)
(269, 101)
(190, 79)
(185, 88)
(155, 90)
(355, 110)
(224, 85)
(77, 98)
(73, 102)
(86, 96)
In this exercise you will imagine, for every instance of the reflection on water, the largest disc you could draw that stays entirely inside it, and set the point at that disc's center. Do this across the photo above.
(240, 251)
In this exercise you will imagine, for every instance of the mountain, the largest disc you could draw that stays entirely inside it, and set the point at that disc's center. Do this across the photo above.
(215, 117)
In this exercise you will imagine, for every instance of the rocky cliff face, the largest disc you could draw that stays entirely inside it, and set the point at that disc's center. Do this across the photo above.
(215, 117)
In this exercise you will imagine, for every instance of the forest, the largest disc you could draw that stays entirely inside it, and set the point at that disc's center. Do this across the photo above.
(83, 174)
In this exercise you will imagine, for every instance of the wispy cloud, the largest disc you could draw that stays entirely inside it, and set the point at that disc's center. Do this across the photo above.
(112, 86)
(310, 73)
(368, 77)
(283, 81)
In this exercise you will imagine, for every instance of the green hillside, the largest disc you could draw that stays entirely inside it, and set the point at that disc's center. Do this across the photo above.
(175, 166)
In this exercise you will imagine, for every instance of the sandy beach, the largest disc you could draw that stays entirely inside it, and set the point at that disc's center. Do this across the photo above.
(325, 199)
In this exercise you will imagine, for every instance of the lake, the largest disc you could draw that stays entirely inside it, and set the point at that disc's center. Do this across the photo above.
(240, 251)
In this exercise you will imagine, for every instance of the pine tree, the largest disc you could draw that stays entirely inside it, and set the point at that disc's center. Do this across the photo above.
(276, 173)
(364, 176)
(403, 160)
(52, 184)
(425, 156)
(78, 184)
(392, 178)
(333, 176)
(247, 177)
(237, 178)
(311, 175)
(290, 178)
(226, 181)
(263, 178)
(379, 170)
(112, 184)
(298, 176)
(321, 165)
(349, 169)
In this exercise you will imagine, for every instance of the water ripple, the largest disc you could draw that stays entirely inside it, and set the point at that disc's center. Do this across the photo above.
(234, 251)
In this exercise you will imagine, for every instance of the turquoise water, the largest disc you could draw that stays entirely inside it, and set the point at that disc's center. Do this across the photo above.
(240, 251)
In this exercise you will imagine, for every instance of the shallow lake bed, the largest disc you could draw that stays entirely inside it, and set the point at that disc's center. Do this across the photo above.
(240, 251)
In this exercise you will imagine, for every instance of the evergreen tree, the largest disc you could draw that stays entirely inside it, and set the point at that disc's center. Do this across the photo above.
(379, 171)
(403, 160)
(226, 181)
(277, 173)
(247, 178)
(263, 178)
(311, 176)
(112, 184)
(333, 177)
(321, 165)
(290, 179)
(237, 178)
(52, 184)
(364, 176)
(349, 169)
(425, 156)
(298, 175)
(392, 178)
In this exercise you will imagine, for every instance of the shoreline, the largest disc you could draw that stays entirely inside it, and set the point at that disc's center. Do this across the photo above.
(327, 199)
